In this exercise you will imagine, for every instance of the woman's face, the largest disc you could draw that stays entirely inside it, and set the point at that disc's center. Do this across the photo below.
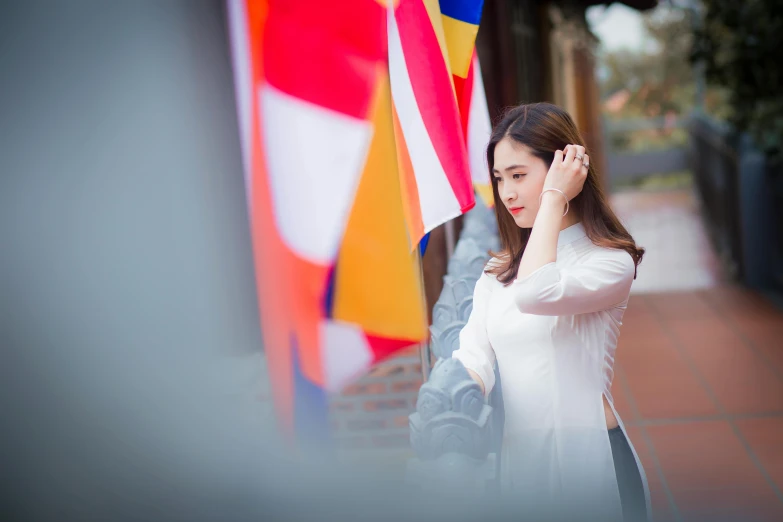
(520, 179)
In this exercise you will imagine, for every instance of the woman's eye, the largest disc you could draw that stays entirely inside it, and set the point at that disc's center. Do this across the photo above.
(498, 180)
(518, 176)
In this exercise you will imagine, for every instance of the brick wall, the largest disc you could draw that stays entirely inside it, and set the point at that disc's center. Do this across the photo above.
(373, 412)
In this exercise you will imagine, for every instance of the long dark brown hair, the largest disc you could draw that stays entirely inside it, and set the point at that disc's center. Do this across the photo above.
(545, 128)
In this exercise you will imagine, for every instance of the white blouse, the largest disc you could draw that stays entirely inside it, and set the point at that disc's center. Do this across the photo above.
(553, 335)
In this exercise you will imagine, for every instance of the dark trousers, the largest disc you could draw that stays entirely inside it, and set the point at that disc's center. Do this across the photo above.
(629, 480)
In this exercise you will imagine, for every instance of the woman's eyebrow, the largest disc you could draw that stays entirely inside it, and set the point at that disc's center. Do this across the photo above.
(511, 167)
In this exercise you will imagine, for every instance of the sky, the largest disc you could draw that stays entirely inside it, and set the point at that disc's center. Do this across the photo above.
(617, 26)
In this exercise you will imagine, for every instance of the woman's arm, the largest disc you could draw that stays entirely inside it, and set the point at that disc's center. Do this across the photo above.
(541, 248)
(475, 352)
(476, 377)
(600, 282)
(567, 174)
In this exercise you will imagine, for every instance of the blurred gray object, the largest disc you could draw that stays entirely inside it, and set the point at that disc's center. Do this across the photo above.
(130, 340)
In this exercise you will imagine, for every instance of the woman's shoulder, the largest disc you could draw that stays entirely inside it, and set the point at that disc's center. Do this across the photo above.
(618, 258)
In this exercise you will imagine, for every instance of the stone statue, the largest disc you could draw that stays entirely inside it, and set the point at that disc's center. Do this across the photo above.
(455, 432)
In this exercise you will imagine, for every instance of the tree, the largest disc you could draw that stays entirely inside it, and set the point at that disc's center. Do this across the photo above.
(660, 77)
(740, 43)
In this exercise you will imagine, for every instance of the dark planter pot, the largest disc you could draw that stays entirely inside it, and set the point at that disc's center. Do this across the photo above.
(760, 212)
(775, 179)
(741, 193)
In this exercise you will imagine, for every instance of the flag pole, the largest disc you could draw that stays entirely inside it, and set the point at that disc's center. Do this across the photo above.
(450, 239)
(424, 349)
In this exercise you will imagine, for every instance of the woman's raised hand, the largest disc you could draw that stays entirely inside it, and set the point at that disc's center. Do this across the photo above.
(568, 171)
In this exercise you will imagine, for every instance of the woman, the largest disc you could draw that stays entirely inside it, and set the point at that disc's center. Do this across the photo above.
(548, 309)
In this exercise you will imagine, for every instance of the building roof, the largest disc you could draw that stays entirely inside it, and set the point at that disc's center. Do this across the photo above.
(639, 5)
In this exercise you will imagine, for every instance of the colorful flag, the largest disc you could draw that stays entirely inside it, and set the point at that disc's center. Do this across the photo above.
(306, 145)
(342, 143)
(377, 283)
(476, 126)
(460, 25)
(432, 158)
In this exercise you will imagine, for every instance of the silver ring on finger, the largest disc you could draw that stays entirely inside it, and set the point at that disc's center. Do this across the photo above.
(580, 157)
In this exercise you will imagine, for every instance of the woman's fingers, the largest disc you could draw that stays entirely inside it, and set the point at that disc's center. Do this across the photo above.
(567, 172)
(586, 163)
(579, 155)
(580, 160)
(570, 154)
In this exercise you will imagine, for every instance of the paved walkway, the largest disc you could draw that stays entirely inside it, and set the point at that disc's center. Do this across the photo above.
(699, 377)
(679, 255)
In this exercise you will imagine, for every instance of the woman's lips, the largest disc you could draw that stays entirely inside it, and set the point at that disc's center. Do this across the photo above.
(515, 210)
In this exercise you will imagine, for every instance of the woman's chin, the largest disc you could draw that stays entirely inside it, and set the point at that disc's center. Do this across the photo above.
(522, 222)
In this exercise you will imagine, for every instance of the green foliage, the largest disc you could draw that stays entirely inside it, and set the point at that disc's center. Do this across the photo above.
(741, 44)
(659, 77)
(654, 81)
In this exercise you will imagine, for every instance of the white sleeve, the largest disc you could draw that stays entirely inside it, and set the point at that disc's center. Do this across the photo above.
(601, 282)
(474, 351)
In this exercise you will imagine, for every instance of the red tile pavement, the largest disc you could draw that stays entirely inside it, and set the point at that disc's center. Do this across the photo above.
(705, 408)
(699, 377)
(765, 438)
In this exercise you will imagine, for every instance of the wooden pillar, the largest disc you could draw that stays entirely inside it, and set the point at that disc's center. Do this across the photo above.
(574, 83)
(498, 61)
(590, 121)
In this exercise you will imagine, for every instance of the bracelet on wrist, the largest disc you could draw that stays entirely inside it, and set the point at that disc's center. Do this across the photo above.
(555, 190)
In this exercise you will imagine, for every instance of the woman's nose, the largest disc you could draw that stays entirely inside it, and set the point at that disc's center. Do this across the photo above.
(509, 194)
